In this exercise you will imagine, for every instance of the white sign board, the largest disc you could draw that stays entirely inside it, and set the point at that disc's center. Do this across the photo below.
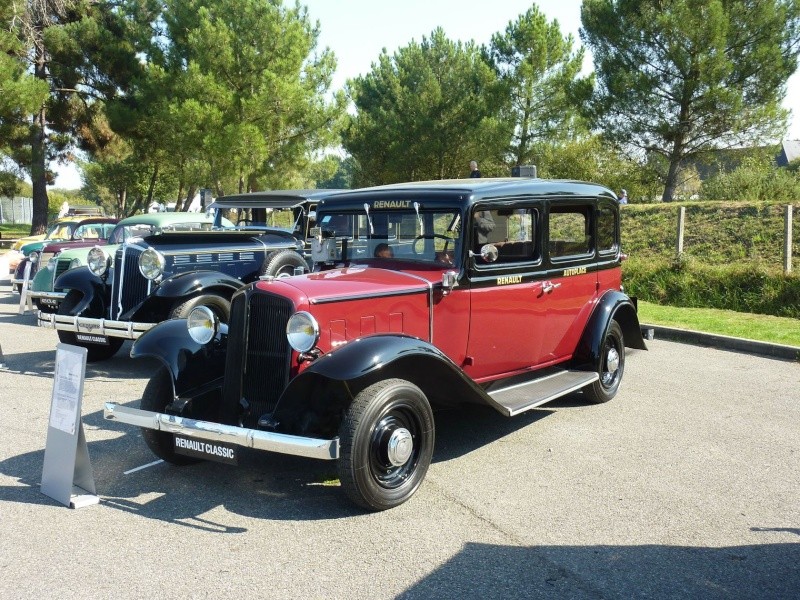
(67, 474)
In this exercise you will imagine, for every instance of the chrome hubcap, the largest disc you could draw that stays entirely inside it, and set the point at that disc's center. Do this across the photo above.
(400, 446)
(612, 360)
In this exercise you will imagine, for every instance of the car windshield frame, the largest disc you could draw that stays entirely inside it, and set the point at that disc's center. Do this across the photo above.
(418, 234)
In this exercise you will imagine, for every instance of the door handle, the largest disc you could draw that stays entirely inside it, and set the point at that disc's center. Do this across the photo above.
(549, 286)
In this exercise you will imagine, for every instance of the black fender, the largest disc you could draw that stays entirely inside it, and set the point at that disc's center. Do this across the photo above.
(186, 284)
(614, 306)
(331, 382)
(192, 366)
(96, 292)
(158, 305)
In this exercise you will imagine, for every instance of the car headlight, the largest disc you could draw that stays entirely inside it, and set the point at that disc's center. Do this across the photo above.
(302, 331)
(34, 257)
(202, 324)
(74, 263)
(51, 264)
(151, 264)
(97, 261)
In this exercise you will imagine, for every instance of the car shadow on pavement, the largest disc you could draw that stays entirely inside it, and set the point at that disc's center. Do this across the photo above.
(766, 570)
(263, 486)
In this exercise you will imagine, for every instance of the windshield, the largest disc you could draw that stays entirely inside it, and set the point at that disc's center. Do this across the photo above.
(288, 219)
(124, 232)
(415, 234)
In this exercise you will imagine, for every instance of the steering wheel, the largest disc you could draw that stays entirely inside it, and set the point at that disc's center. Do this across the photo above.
(418, 251)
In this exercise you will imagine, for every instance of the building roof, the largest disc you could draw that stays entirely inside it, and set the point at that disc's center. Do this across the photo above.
(790, 152)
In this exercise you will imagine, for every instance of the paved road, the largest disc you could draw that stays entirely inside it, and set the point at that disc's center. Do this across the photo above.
(685, 485)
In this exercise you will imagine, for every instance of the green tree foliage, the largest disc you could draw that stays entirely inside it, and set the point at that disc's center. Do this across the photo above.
(757, 178)
(681, 77)
(247, 92)
(79, 52)
(424, 113)
(539, 72)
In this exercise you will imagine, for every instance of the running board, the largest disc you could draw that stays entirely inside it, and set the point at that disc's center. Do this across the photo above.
(518, 398)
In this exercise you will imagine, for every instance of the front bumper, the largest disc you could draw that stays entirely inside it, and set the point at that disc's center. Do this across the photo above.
(118, 329)
(217, 432)
(49, 298)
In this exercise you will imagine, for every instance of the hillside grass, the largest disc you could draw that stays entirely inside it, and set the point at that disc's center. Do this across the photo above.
(732, 257)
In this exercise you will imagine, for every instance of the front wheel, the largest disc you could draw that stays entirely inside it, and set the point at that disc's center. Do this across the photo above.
(157, 395)
(386, 439)
(610, 367)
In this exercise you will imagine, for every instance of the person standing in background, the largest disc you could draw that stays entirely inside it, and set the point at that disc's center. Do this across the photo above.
(623, 197)
(473, 169)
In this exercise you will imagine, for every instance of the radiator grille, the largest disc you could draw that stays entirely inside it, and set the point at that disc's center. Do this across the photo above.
(62, 266)
(258, 359)
(130, 287)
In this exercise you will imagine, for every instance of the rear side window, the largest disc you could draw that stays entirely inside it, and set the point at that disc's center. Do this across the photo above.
(606, 229)
(570, 231)
(513, 231)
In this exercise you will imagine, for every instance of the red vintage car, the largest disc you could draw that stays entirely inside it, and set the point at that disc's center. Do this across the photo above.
(504, 292)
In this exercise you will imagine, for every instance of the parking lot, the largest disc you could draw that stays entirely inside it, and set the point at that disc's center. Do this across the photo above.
(685, 485)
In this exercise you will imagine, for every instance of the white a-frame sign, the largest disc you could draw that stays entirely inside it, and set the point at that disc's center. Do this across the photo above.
(67, 474)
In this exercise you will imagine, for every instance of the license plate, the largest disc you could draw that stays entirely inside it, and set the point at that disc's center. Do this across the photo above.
(92, 338)
(49, 302)
(216, 451)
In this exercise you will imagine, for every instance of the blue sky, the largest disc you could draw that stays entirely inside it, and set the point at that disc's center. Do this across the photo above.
(357, 30)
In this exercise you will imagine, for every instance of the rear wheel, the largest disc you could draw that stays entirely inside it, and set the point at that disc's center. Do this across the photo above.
(94, 352)
(610, 367)
(387, 439)
(157, 395)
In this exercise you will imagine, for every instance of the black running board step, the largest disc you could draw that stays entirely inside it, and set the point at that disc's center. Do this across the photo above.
(519, 398)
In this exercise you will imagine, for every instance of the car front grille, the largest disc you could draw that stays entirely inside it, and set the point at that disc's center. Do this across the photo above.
(130, 288)
(62, 266)
(258, 358)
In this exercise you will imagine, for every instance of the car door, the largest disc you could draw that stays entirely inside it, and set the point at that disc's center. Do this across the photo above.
(506, 308)
(570, 288)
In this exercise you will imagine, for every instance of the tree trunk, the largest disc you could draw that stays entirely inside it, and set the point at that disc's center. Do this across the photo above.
(672, 179)
(39, 153)
(151, 188)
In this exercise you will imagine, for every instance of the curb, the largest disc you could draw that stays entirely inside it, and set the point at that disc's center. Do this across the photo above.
(724, 342)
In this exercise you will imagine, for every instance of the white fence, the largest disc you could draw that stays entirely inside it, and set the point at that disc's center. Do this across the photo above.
(16, 210)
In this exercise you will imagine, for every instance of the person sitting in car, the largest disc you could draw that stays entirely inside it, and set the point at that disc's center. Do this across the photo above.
(383, 250)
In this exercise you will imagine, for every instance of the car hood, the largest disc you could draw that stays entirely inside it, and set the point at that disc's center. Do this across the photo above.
(356, 282)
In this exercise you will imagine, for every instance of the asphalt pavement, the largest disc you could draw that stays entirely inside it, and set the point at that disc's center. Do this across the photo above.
(685, 485)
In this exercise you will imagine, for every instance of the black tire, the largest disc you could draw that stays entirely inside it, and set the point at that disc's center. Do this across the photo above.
(220, 306)
(94, 352)
(610, 368)
(157, 395)
(282, 263)
(382, 415)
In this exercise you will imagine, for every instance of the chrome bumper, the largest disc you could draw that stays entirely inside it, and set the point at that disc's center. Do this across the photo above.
(216, 432)
(33, 294)
(120, 329)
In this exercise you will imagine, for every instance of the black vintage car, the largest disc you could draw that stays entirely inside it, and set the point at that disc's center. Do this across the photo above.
(503, 292)
(164, 276)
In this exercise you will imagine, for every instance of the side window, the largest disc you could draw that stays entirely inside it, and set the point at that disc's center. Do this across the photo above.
(514, 234)
(606, 229)
(570, 231)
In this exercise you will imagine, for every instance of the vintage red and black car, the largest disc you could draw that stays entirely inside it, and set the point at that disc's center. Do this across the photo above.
(504, 292)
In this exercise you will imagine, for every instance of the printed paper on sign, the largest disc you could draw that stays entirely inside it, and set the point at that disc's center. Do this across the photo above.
(66, 389)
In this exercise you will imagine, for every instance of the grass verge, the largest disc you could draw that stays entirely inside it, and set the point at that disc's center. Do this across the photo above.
(764, 328)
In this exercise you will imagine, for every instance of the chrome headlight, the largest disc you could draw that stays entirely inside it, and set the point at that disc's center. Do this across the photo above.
(152, 264)
(34, 257)
(302, 331)
(75, 263)
(51, 264)
(202, 324)
(97, 261)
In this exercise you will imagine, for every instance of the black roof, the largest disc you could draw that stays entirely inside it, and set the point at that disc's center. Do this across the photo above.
(271, 199)
(469, 191)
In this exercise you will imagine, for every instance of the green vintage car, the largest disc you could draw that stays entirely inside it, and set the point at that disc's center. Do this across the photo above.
(46, 297)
